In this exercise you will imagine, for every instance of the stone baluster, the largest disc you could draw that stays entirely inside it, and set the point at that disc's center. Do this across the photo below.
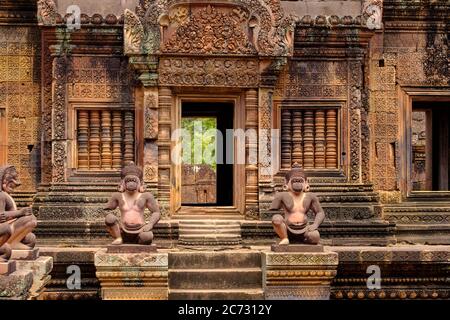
(128, 154)
(106, 140)
(308, 140)
(297, 147)
(286, 138)
(116, 139)
(83, 140)
(331, 139)
(319, 140)
(94, 140)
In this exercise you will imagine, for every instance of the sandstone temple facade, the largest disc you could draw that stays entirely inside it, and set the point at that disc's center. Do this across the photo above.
(355, 91)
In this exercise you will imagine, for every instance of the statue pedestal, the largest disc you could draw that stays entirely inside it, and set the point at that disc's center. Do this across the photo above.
(7, 268)
(15, 285)
(298, 275)
(29, 260)
(132, 275)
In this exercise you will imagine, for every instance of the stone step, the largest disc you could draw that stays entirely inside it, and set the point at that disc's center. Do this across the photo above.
(207, 216)
(210, 279)
(213, 260)
(210, 236)
(217, 294)
(230, 231)
(205, 226)
(203, 222)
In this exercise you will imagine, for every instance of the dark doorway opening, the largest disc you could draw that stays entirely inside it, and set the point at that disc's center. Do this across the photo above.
(430, 146)
(207, 178)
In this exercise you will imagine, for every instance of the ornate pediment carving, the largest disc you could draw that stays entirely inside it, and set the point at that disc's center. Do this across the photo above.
(223, 27)
(47, 12)
(207, 31)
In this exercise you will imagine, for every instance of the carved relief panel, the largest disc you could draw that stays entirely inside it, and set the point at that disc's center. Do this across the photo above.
(3, 137)
(234, 27)
(20, 96)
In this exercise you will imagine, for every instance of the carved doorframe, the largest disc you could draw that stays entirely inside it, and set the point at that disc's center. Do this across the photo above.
(173, 46)
(239, 172)
(407, 95)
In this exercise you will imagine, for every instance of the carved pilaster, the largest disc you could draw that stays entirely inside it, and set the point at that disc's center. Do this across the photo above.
(164, 159)
(59, 117)
(355, 84)
(251, 169)
(150, 135)
(265, 136)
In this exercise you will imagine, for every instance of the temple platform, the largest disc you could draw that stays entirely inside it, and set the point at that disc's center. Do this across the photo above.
(406, 272)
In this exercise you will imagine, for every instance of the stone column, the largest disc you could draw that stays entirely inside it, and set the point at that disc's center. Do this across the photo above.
(132, 276)
(298, 275)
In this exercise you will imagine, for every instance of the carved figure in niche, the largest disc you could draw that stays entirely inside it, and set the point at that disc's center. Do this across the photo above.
(296, 202)
(15, 224)
(132, 201)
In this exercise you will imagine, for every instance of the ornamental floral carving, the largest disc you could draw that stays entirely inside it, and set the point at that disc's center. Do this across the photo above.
(47, 12)
(210, 31)
(240, 27)
(208, 72)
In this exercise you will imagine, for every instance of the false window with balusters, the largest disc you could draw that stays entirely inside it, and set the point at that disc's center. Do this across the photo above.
(105, 138)
(310, 137)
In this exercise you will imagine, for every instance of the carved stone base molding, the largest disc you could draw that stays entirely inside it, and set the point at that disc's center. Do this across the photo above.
(132, 276)
(403, 272)
(14, 285)
(298, 276)
(40, 267)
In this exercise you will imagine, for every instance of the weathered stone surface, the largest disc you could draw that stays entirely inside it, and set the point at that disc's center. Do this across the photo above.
(298, 276)
(215, 275)
(40, 268)
(7, 267)
(406, 272)
(128, 276)
(296, 248)
(130, 248)
(16, 285)
(32, 254)
(63, 258)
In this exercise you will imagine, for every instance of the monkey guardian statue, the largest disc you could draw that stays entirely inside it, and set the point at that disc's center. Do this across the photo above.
(296, 202)
(15, 224)
(132, 200)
